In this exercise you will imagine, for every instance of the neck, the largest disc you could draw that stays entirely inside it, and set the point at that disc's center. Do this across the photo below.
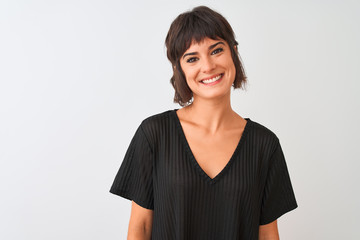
(211, 114)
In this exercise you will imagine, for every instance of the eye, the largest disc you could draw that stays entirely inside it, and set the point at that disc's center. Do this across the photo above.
(190, 60)
(216, 51)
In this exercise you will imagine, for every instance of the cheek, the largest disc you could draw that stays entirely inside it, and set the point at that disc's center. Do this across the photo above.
(229, 63)
(184, 70)
(232, 67)
(189, 73)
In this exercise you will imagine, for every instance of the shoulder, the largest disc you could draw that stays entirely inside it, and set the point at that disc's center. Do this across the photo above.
(156, 120)
(154, 126)
(262, 130)
(263, 135)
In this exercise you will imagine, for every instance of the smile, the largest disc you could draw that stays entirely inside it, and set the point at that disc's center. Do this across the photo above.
(212, 80)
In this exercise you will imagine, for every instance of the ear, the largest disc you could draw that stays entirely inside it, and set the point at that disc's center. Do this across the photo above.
(235, 47)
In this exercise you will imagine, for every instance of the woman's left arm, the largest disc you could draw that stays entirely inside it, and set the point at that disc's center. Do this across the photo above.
(269, 231)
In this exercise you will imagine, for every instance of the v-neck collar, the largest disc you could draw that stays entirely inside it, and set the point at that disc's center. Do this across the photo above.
(192, 157)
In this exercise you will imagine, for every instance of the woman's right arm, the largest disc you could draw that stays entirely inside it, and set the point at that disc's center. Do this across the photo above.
(140, 223)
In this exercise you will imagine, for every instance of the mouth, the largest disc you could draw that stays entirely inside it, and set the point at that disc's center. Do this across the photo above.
(212, 79)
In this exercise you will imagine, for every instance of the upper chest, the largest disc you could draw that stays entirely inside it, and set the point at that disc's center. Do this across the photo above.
(212, 152)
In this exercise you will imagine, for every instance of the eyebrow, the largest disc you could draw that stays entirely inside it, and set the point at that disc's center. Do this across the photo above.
(210, 47)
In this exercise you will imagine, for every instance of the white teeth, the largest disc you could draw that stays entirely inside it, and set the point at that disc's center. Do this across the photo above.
(212, 79)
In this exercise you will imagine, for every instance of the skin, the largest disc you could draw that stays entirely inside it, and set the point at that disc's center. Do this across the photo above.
(211, 127)
(140, 223)
(269, 231)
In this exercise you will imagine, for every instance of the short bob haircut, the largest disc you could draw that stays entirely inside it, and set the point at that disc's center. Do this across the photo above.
(195, 26)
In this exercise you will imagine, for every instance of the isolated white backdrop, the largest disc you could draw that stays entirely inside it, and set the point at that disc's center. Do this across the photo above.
(78, 77)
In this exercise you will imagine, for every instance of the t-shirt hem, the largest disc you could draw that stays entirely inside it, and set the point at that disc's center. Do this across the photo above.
(128, 196)
(279, 214)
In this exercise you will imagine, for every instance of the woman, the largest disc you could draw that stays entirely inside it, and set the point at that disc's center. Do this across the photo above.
(203, 171)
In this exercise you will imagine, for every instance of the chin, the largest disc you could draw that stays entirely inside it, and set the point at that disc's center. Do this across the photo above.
(214, 95)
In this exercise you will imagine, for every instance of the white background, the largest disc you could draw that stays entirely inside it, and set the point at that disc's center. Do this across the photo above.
(78, 77)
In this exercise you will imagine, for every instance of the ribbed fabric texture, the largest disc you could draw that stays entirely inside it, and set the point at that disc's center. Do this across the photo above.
(159, 172)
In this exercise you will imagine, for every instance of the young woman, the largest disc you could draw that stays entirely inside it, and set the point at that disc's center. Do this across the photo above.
(203, 171)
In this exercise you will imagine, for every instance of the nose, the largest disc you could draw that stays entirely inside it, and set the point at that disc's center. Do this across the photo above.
(208, 65)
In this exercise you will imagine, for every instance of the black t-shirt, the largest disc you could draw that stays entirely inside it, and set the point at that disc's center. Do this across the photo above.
(159, 172)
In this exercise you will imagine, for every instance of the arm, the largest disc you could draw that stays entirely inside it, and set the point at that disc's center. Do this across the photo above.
(140, 223)
(269, 231)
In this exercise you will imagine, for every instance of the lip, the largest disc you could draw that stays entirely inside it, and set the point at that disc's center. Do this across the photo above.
(215, 75)
(213, 83)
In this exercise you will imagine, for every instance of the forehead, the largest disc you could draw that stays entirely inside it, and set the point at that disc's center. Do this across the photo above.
(203, 43)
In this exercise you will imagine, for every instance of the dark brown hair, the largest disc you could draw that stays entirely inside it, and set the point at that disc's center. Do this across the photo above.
(194, 26)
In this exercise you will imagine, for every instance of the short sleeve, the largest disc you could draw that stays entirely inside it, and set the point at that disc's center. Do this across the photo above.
(278, 196)
(134, 180)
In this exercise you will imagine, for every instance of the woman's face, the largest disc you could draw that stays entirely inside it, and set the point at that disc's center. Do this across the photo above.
(209, 69)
